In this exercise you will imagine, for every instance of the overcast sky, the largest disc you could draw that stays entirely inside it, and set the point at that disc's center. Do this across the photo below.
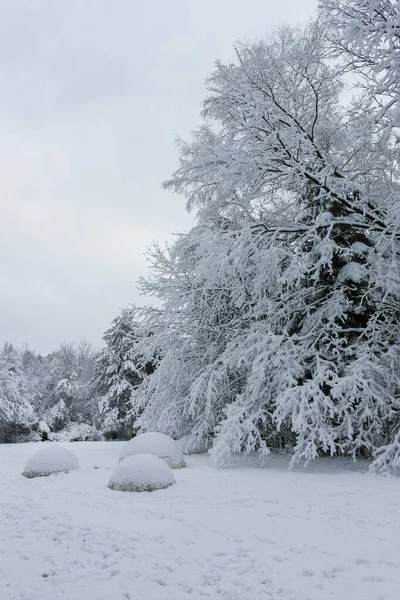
(92, 95)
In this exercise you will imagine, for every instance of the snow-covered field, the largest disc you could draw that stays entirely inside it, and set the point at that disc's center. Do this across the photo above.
(244, 533)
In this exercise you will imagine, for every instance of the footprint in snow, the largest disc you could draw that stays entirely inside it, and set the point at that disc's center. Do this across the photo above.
(308, 573)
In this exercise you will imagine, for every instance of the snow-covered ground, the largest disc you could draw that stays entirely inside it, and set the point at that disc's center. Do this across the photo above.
(244, 533)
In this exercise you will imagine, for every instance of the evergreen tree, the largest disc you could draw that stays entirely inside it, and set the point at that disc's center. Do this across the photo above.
(119, 370)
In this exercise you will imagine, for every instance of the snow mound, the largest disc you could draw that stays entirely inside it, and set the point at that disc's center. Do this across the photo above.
(141, 473)
(51, 459)
(158, 444)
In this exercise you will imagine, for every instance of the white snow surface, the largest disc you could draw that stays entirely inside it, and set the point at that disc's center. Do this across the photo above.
(328, 532)
(158, 444)
(141, 473)
(50, 459)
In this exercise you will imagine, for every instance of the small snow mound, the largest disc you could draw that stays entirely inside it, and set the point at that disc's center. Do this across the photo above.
(141, 473)
(48, 460)
(157, 444)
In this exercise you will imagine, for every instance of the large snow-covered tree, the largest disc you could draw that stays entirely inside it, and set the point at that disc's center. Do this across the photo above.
(280, 309)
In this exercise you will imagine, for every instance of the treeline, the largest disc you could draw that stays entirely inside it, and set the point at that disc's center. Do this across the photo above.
(74, 393)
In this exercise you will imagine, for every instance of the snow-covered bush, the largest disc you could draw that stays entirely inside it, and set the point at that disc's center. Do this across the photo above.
(113, 427)
(15, 433)
(141, 473)
(48, 460)
(76, 432)
(157, 444)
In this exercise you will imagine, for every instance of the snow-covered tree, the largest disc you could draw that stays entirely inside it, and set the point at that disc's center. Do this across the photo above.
(280, 309)
(61, 384)
(119, 369)
(16, 410)
(71, 394)
(364, 35)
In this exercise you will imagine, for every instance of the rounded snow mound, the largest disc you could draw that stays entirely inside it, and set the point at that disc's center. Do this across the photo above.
(141, 473)
(51, 459)
(158, 444)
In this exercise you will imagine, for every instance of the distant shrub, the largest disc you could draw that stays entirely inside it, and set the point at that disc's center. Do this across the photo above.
(76, 432)
(118, 432)
(12, 433)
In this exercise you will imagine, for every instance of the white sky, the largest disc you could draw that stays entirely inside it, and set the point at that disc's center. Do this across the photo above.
(92, 95)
